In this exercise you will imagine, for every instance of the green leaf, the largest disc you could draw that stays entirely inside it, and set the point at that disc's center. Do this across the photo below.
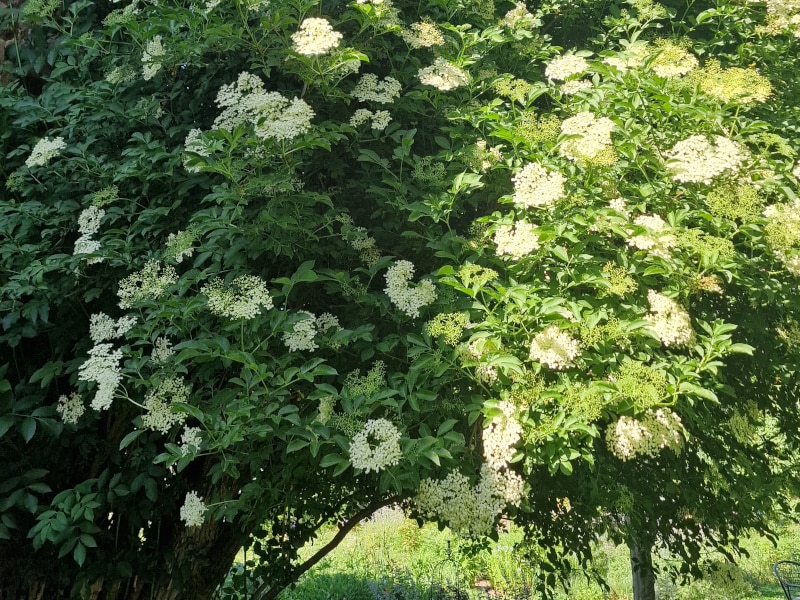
(305, 272)
(741, 349)
(296, 445)
(40, 487)
(445, 427)
(128, 439)
(6, 421)
(27, 428)
(331, 459)
(696, 390)
(560, 252)
(79, 554)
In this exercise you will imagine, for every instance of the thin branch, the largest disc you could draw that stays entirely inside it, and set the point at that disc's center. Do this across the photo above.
(262, 593)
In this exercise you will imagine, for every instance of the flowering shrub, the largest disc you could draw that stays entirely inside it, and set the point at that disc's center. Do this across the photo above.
(560, 243)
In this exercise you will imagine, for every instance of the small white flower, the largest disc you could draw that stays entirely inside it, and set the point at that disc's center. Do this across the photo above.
(400, 291)
(369, 88)
(669, 320)
(44, 150)
(243, 299)
(562, 68)
(151, 63)
(102, 367)
(315, 37)
(70, 408)
(443, 75)
(191, 438)
(193, 510)
(162, 351)
(698, 160)
(536, 186)
(89, 220)
(301, 337)
(554, 348)
(384, 453)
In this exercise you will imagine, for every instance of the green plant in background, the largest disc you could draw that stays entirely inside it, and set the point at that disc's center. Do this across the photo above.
(271, 266)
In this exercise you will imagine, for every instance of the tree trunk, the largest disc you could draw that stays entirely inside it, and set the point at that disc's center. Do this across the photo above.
(644, 578)
(197, 562)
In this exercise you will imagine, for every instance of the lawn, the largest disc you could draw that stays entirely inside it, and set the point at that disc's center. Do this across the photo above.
(390, 557)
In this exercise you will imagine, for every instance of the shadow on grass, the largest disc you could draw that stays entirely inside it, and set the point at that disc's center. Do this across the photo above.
(339, 586)
(771, 591)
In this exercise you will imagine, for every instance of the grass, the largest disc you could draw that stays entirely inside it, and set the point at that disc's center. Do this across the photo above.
(389, 557)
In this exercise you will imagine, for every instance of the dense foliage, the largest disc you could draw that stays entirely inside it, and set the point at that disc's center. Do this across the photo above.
(270, 265)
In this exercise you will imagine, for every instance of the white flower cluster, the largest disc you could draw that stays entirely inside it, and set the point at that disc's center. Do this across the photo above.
(180, 245)
(386, 449)
(193, 510)
(403, 295)
(619, 205)
(515, 16)
(673, 61)
(500, 436)
(470, 509)
(89, 220)
(360, 241)
(370, 89)
(380, 118)
(657, 241)
(102, 367)
(272, 115)
(301, 337)
(88, 225)
(103, 328)
(315, 37)
(697, 160)
(159, 405)
(783, 16)
(669, 320)
(243, 299)
(443, 75)
(536, 186)
(151, 58)
(562, 68)
(516, 240)
(575, 86)
(44, 150)
(327, 321)
(149, 283)
(162, 351)
(659, 429)
(191, 438)
(70, 408)
(554, 348)
(424, 34)
(120, 75)
(592, 136)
